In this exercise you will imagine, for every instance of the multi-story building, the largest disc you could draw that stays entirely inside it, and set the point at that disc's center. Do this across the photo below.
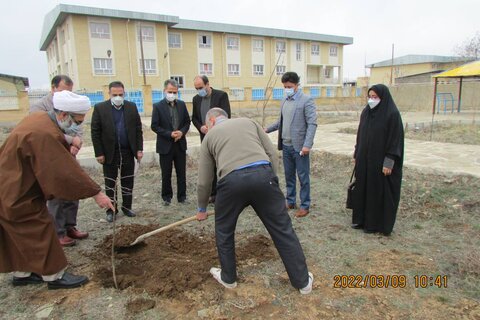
(95, 46)
(412, 68)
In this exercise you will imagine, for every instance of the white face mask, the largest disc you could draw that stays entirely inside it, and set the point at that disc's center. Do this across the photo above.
(117, 101)
(373, 102)
(171, 97)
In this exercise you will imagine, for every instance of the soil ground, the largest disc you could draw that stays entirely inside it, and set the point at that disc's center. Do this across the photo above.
(437, 235)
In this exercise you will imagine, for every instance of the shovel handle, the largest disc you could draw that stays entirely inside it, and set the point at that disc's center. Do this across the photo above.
(154, 232)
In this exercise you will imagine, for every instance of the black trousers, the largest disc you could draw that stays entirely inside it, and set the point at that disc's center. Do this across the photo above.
(177, 157)
(64, 214)
(124, 161)
(256, 186)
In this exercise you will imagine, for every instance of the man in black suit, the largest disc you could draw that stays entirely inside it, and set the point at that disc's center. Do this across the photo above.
(117, 140)
(206, 99)
(171, 122)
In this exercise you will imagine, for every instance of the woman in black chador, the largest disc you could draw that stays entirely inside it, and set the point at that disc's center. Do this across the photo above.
(378, 163)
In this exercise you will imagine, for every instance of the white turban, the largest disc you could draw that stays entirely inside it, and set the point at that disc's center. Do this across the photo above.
(70, 102)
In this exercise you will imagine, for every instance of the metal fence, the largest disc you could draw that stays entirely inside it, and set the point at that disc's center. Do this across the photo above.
(237, 94)
(136, 96)
(315, 92)
(258, 94)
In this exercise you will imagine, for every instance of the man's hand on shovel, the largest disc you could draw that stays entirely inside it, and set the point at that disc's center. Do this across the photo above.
(202, 216)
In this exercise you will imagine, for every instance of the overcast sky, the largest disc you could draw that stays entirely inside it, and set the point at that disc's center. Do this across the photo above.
(429, 27)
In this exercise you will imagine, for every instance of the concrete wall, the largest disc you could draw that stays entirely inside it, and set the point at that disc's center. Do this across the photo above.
(14, 116)
(420, 96)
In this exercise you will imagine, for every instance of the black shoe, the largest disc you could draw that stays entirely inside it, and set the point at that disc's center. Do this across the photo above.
(182, 201)
(67, 281)
(129, 213)
(110, 216)
(369, 231)
(166, 203)
(33, 278)
(356, 226)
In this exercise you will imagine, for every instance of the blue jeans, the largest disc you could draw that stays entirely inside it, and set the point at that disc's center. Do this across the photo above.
(294, 164)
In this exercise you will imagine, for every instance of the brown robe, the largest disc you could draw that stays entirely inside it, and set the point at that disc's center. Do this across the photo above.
(35, 166)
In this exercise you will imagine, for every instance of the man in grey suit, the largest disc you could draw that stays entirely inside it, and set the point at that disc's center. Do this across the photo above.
(64, 212)
(296, 129)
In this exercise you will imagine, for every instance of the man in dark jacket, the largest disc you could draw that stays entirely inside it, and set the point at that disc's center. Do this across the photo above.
(171, 122)
(117, 140)
(206, 99)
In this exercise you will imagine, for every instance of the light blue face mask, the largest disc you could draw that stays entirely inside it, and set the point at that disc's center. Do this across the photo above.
(289, 92)
(202, 92)
(73, 130)
(69, 126)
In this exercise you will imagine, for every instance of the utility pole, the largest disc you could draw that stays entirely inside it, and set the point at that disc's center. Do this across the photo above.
(143, 58)
(391, 65)
(109, 53)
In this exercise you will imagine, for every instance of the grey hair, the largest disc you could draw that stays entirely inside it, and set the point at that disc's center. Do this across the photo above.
(171, 82)
(215, 112)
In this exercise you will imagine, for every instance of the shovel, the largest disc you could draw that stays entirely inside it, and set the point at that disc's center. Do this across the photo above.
(154, 232)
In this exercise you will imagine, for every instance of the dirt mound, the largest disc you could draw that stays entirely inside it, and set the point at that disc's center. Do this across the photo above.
(169, 263)
(125, 235)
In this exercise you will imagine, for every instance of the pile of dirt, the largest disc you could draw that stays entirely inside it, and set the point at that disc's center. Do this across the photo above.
(169, 263)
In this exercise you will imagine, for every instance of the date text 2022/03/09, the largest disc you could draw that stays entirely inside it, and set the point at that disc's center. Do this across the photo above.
(389, 281)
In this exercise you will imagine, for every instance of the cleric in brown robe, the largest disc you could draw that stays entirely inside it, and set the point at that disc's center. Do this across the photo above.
(36, 165)
(378, 163)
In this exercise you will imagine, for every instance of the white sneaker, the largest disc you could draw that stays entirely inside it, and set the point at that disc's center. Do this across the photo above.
(217, 274)
(309, 286)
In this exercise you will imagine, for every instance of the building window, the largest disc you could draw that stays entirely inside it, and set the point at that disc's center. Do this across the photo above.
(280, 46)
(179, 79)
(258, 69)
(99, 30)
(327, 73)
(233, 69)
(62, 37)
(174, 40)
(206, 68)
(298, 50)
(150, 66)
(233, 43)
(315, 49)
(333, 51)
(280, 70)
(204, 41)
(257, 45)
(102, 66)
(148, 33)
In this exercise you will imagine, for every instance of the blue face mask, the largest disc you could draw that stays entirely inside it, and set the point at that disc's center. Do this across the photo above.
(73, 130)
(202, 92)
(289, 92)
(70, 127)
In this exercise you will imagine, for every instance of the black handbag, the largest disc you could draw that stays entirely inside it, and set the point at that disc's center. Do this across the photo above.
(350, 191)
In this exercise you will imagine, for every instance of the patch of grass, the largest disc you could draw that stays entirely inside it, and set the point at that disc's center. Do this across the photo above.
(447, 132)
(442, 299)
(348, 130)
